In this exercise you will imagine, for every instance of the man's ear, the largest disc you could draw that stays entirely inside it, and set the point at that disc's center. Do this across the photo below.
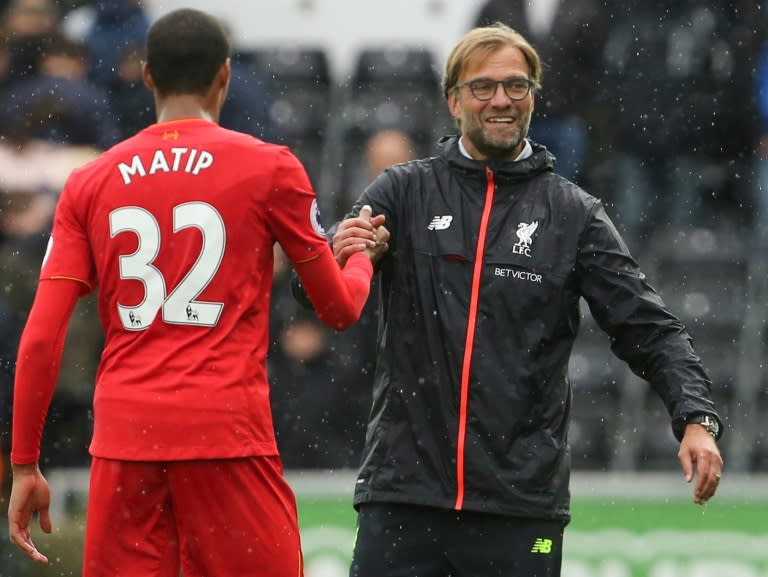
(454, 105)
(145, 74)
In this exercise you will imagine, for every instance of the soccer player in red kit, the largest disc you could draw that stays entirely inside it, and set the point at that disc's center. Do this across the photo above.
(175, 227)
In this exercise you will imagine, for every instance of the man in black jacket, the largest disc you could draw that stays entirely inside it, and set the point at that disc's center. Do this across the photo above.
(466, 466)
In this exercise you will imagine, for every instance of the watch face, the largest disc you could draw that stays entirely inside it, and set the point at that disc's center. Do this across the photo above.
(708, 423)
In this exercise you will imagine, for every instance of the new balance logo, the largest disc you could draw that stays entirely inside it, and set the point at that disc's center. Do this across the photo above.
(542, 546)
(440, 223)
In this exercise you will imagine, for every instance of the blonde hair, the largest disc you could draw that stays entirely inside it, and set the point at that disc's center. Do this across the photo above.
(487, 40)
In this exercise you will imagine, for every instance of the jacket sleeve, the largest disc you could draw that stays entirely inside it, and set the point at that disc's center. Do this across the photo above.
(643, 332)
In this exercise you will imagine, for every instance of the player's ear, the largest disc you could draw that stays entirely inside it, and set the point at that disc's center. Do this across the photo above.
(224, 74)
(147, 76)
(220, 84)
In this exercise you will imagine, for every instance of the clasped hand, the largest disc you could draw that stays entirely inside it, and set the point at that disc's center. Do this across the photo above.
(364, 232)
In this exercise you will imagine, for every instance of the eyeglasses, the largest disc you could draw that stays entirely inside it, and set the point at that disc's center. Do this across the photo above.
(484, 88)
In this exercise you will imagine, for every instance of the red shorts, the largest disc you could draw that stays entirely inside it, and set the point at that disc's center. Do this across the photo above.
(212, 518)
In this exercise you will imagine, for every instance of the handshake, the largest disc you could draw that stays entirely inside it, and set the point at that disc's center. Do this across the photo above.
(364, 232)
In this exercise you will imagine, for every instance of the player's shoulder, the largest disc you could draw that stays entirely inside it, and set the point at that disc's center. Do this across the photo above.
(90, 166)
(250, 146)
(96, 168)
(252, 143)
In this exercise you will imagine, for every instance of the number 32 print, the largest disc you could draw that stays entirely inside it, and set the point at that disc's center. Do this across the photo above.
(180, 306)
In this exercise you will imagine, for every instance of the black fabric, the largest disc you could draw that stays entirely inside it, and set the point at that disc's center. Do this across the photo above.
(412, 541)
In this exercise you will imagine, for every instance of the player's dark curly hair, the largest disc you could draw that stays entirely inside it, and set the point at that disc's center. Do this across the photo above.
(184, 50)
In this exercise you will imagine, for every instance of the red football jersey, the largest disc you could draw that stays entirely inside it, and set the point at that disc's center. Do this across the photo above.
(176, 227)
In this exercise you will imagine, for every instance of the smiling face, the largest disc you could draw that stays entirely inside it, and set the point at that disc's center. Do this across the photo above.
(493, 129)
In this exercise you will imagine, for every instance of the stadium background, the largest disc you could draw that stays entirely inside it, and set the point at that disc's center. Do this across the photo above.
(633, 514)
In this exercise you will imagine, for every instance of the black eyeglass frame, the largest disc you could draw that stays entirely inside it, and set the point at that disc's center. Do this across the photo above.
(469, 84)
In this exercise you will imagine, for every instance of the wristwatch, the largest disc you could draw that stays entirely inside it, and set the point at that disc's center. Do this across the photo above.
(706, 421)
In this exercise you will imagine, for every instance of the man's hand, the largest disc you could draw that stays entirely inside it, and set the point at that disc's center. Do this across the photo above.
(699, 448)
(363, 232)
(381, 246)
(29, 494)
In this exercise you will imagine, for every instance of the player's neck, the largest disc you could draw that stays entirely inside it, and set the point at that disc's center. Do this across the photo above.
(183, 107)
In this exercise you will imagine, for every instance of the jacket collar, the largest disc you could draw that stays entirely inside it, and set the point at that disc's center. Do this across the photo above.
(539, 162)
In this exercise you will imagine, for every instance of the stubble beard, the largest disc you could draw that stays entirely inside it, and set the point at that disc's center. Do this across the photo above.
(501, 147)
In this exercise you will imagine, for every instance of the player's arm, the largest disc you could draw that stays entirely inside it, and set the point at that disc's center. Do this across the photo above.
(37, 369)
(339, 304)
(337, 295)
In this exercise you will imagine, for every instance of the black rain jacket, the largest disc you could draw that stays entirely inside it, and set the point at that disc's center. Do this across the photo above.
(479, 309)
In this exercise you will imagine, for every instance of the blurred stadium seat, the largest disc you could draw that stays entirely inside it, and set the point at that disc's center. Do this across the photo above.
(298, 85)
(702, 275)
(389, 88)
(68, 430)
(393, 88)
(412, 68)
(758, 440)
(748, 444)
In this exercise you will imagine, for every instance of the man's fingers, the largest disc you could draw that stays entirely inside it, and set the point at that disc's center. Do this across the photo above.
(31, 551)
(687, 463)
(378, 220)
(708, 470)
(22, 540)
(45, 521)
(366, 212)
(357, 233)
(704, 491)
(342, 243)
(355, 225)
(344, 254)
(382, 235)
(345, 248)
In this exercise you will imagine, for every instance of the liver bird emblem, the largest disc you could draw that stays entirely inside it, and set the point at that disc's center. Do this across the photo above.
(525, 232)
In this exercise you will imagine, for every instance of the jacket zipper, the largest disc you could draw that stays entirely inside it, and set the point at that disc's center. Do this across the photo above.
(470, 339)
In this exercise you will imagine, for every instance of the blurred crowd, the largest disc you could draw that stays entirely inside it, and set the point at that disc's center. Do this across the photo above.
(659, 107)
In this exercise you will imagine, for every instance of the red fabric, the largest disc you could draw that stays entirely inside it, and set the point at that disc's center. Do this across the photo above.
(332, 299)
(466, 366)
(37, 365)
(176, 228)
(137, 511)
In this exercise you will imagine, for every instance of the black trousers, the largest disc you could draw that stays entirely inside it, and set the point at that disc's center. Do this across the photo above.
(395, 540)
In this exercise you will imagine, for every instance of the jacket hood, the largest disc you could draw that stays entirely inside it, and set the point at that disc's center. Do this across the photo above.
(540, 161)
